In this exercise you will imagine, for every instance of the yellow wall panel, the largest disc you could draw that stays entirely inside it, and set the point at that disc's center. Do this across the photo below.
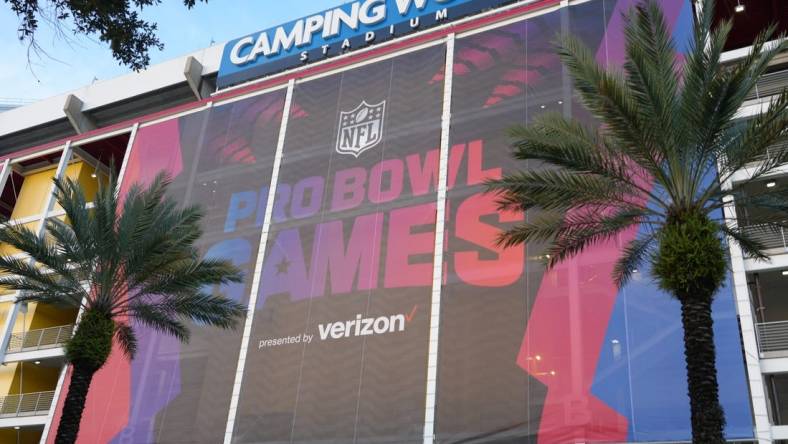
(72, 172)
(22, 436)
(36, 187)
(5, 310)
(23, 320)
(4, 291)
(33, 193)
(89, 183)
(47, 315)
(82, 172)
(7, 373)
(44, 316)
(8, 250)
(32, 378)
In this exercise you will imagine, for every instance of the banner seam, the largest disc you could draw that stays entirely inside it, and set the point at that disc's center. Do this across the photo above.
(440, 225)
(269, 208)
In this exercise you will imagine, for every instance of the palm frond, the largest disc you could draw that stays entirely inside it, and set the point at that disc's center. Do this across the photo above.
(607, 96)
(187, 277)
(751, 142)
(710, 110)
(769, 129)
(632, 257)
(772, 205)
(159, 320)
(553, 189)
(554, 139)
(651, 74)
(26, 240)
(568, 235)
(587, 227)
(144, 247)
(71, 198)
(568, 144)
(126, 338)
(751, 246)
(204, 308)
(21, 275)
(542, 228)
(661, 124)
(30, 293)
(702, 70)
(171, 240)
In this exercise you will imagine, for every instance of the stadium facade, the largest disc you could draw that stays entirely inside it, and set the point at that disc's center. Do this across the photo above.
(340, 159)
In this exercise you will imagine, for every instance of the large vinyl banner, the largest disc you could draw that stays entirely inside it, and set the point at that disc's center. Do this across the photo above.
(561, 356)
(222, 159)
(341, 334)
(181, 394)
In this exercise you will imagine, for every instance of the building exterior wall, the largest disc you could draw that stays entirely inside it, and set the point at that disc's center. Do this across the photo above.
(20, 436)
(32, 194)
(481, 344)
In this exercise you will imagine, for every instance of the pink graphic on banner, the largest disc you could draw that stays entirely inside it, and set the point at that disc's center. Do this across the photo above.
(153, 378)
(570, 316)
(108, 410)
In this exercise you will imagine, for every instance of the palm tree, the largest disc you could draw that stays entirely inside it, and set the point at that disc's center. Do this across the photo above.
(124, 263)
(667, 146)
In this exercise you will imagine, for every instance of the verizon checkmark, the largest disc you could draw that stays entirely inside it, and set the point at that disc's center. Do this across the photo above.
(409, 317)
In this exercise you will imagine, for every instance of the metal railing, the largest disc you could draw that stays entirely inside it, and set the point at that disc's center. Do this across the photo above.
(769, 84)
(770, 236)
(39, 339)
(774, 151)
(772, 336)
(26, 404)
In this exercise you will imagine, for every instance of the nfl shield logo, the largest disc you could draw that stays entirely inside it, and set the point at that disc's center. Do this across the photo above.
(361, 128)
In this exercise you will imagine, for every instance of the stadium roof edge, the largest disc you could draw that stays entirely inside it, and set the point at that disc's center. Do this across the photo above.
(160, 76)
(119, 100)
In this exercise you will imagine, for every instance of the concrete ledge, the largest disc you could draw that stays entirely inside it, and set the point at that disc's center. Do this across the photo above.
(35, 355)
(779, 432)
(774, 365)
(23, 421)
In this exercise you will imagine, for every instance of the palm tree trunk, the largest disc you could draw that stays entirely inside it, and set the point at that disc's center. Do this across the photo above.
(708, 419)
(68, 429)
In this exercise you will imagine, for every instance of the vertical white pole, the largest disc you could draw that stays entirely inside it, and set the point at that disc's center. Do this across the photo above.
(6, 173)
(10, 319)
(741, 294)
(198, 153)
(8, 328)
(62, 377)
(51, 415)
(747, 326)
(258, 268)
(65, 157)
(437, 265)
(127, 156)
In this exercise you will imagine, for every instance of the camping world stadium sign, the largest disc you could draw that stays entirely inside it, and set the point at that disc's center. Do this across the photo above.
(336, 31)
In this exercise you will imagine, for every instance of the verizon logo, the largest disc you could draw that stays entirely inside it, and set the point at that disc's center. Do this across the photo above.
(361, 326)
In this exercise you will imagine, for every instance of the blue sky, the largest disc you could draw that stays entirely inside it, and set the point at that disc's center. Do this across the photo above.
(75, 63)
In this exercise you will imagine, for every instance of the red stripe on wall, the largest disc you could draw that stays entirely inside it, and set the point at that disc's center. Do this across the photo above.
(361, 56)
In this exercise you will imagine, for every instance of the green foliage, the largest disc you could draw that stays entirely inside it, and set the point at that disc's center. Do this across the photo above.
(117, 23)
(665, 134)
(690, 261)
(134, 260)
(92, 342)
